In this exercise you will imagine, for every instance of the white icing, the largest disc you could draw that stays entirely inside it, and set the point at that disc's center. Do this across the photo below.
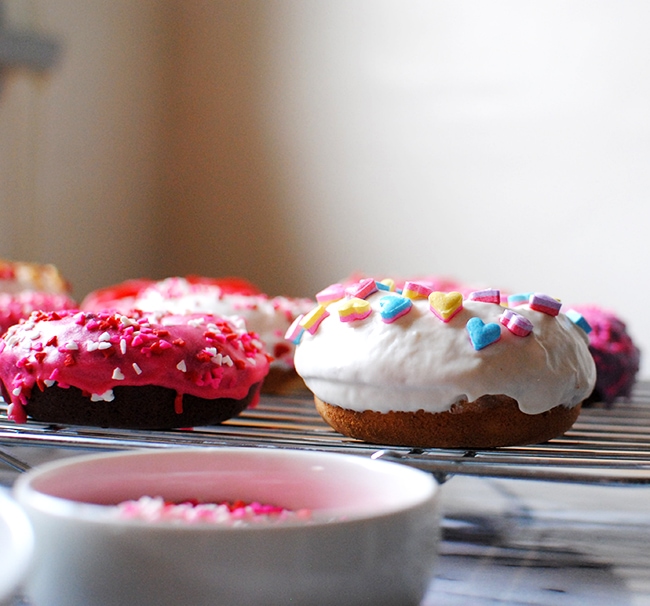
(269, 317)
(419, 362)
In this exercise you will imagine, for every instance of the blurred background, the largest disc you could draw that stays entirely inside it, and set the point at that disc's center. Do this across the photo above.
(293, 142)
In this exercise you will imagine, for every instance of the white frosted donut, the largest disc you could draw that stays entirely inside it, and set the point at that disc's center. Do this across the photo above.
(354, 354)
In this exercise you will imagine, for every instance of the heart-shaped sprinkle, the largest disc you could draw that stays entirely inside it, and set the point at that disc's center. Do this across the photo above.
(516, 323)
(363, 289)
(480, 334)
(445, 305)
(311, 320)
(294, 332)
(354, 309)
(579, 320)
(518, 299)
(489, 295)
(332, 293)
(386, 284)
(393, 307)
(415, 290)
(545, 304)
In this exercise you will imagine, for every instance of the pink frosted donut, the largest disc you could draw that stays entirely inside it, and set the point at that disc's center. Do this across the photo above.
(16, 306)
(269, 317)
(135, 371)
(615, 354)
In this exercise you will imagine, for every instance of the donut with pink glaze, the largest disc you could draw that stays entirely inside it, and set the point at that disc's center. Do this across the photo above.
(151, 371)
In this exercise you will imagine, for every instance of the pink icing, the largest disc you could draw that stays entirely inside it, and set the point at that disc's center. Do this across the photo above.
(202, 355)
(615, 354)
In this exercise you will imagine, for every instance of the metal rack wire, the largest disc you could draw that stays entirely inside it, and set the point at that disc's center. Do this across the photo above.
(605, 446)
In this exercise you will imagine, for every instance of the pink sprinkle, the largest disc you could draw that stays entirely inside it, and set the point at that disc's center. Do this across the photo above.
(516, 323)
(137, 341)
(331, 293)
(489, 295)
(362, 290)
(294, 332)
(545, 304)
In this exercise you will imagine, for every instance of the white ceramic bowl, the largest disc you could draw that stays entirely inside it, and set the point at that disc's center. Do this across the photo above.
(379, 550)
(16, 541)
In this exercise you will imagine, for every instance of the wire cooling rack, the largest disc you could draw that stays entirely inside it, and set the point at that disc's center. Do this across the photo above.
(605, 446)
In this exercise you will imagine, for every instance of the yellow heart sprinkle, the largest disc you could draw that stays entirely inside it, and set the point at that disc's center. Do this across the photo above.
(445, 305)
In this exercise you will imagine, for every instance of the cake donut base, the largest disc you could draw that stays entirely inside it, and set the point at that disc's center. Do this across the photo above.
(134, 407)
(487, 422)
(280, 382)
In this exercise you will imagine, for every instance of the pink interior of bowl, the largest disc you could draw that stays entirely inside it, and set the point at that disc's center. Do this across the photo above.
(350, 485)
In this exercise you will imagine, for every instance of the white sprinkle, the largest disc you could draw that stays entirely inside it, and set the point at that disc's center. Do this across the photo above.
(107, 396)
(123, 346)
(117, 374)
(16, 391)
(137, 369)
(218, 359)
(212, 351)
(227, 360)
(104, 345)
(11, 341)
(182, 366)
(91, 346)
(48, 382)
(196, 322)
(71, 346)
(104, 337)
(126, 321)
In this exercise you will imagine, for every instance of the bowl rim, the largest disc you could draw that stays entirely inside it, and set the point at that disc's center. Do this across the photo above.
(27, 495)
(17, 553)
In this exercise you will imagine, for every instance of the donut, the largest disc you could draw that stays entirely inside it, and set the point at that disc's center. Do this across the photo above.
(17, 276)
(138, 371)
(116, 297)
(121, 296)
(428, 369)
(268, 317)
(616, 356)
(17, 306)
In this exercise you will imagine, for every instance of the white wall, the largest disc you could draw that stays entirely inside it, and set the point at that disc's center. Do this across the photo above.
(295, 141)
(504, 143)
(80, 161)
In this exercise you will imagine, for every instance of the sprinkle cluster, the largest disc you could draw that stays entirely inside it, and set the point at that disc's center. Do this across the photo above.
(445, 306)
(237, 513)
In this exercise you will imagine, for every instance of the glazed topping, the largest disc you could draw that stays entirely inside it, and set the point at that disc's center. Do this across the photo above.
(269, 317)
(235, 514)
(15, 307)
(414, 348)
(205, 356)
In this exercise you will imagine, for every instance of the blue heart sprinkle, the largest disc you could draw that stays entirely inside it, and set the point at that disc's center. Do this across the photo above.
(480, 334)
(393, 306)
